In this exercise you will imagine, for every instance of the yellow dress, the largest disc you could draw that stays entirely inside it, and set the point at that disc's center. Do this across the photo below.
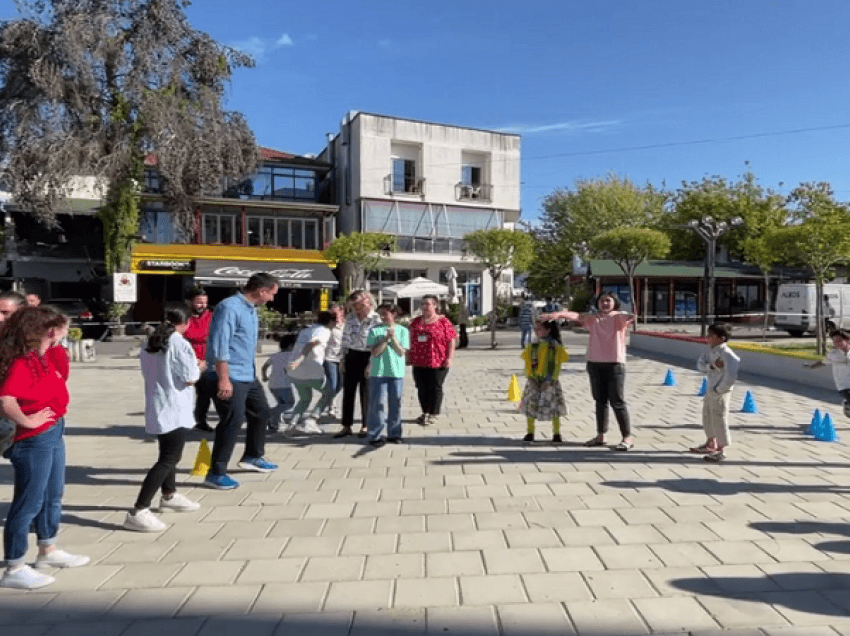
(543, 397)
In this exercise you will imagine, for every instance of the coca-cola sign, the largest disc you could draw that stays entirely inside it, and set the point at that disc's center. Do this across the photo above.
(283, 274)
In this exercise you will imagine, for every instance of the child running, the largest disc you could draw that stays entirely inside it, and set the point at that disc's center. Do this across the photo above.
(279, 383)
(720, 364)
(839, 360)
(170, 368)
(543, 398)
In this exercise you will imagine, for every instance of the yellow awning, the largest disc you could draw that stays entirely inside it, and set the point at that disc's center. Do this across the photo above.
(153, 258)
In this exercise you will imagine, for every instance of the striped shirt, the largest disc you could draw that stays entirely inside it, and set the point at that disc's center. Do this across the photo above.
(355, 333)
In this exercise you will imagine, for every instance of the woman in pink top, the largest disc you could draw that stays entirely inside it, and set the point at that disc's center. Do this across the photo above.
(606, 364)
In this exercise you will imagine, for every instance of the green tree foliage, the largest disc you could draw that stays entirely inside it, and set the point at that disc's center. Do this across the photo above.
(721, 200)
(550, 268)
(818, 239)
(88, 87)
(358, 254)
(575, 217)
(629, 247)
(500, 249)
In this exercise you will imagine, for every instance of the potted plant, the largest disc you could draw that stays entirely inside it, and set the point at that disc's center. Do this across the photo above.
(116, 312)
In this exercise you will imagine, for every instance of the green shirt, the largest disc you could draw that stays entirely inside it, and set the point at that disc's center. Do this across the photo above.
(389, 364)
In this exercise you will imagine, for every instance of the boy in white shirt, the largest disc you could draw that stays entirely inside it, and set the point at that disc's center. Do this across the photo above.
(279, 383)
(720, 364)
(839, 360)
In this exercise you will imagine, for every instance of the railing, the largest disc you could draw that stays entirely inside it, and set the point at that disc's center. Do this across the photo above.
(410, 186)
(473, 192)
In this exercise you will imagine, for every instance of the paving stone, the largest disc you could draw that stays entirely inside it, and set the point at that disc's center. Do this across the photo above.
(673, 614)
(737, 552)
(683, 554)
(324, 624)
(424, 542)
(340, 568)
(76, 606)
(803, 607)
(479, 540)
(246, 549)
(401, 621)
(619, 557)
(734, 613)
(556, 586)
(463, 621)
(354, 595)
(491, 590)
(605, 618)
(277, 599)
(430, 592)
(142, 575)
(150, 603)
(262, 571)
(312, 546)
(534, 620)
(618, 584)
(394, 566)
(208, 573)
(165, 627)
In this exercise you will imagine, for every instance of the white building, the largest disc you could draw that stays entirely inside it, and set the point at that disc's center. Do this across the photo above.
(429, 185)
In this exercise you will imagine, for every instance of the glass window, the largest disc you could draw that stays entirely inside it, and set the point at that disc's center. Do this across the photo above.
(253, 230)
(210, 228)
(470, 175)
(310, 231)
(283, 232)
(227, 226)
(404, 175)
(268, 232)
(297, 229)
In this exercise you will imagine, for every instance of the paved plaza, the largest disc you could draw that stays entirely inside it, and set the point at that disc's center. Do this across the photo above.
(463, 529)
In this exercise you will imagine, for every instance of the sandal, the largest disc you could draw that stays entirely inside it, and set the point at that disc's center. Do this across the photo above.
(703, 449)
(625, 445)
(362, 432)
(596, 441)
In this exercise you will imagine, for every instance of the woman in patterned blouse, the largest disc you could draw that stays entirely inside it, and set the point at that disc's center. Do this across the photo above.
(432, 348)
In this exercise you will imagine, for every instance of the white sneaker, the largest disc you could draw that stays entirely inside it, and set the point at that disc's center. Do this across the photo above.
(178, 503)
(309, 426)
(144, 521)
(60, 559)
(25, 578)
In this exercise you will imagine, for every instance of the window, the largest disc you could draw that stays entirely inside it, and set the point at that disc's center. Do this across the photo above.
(470, 175)
(153, 182)
(219, 229)
(404, 175)
(280, 183)
(155, 227)
(272, 231)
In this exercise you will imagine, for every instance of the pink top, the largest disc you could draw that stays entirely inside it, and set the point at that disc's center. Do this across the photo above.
(607, 336)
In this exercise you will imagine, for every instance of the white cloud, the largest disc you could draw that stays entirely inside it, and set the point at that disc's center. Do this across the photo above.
(284, 40)
(254, 46)
(564, 126)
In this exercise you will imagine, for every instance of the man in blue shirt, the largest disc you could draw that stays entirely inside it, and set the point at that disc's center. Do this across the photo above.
(239, 395)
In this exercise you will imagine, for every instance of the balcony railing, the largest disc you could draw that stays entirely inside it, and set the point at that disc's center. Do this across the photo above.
(410, 186)
(473, 192)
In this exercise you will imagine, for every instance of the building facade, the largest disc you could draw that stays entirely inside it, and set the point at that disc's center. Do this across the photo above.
(428, 185)
(277, 220)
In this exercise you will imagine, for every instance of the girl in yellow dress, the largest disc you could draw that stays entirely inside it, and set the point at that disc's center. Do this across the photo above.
(543, 398)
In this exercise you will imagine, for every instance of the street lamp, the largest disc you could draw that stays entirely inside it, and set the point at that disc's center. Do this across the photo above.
(709, 231)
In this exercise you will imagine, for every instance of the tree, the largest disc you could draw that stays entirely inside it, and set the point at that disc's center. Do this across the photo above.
(629, 247)
(551, 268)
(500, 249)
(358, 254)
(94, 87)
(576, 217)
(817, 240)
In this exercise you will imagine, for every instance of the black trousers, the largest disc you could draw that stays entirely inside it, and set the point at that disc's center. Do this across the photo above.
(248, 402)
(464, 339)
(204, 390)
(353, 379)
(607, 385)
(163, 474)
(429, 388)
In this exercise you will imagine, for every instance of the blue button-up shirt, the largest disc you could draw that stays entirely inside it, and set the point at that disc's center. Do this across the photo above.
(233, 338)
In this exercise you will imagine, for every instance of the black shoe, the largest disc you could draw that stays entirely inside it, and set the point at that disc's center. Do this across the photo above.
(395, 440)
(345, 432)
(556, 439)
(377, 443)
(203, 426)
(528, 438)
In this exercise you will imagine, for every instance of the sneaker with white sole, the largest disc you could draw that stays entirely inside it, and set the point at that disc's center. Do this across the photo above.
(143, 521)
(178, 503)
(60, 559)
(25, 578)
(256, 464)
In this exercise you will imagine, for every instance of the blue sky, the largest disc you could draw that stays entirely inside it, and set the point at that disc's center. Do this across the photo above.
(593, 87)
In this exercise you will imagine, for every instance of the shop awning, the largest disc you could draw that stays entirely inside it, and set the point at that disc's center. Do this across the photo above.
(290, 275)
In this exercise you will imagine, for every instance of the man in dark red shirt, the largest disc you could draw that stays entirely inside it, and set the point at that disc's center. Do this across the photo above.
(197, 333)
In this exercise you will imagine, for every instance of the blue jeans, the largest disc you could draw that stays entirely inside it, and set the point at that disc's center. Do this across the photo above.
(285, 401)
(525, 335)
(393, 388)
(333, 382)
(39, 464)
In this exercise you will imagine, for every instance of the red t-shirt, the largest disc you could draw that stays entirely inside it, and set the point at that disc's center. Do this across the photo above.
(197, 333)
(38, 383)
(429, 344)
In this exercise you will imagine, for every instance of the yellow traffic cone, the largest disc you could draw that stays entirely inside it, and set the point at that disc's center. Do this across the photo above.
(514, 393)
(202, 461)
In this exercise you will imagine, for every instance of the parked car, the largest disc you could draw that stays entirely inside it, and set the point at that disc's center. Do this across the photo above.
(81, 316)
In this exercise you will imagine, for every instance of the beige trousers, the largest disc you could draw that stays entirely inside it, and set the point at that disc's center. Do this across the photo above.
(715, 416)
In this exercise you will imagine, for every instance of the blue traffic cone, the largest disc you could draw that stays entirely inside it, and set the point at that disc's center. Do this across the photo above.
(669, 380)
(826, 432)
(816, 422)
(749, 404)
(703, 387)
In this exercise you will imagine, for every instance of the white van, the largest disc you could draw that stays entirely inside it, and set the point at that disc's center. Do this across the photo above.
(796, 309)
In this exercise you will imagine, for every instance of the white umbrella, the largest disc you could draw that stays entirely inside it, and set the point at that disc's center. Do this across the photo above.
(416, 288)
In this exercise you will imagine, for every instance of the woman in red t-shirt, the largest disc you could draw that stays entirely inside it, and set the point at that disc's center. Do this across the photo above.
(432, 348)
(34, 396)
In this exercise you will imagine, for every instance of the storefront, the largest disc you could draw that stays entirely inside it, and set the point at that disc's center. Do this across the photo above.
(167, 273)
